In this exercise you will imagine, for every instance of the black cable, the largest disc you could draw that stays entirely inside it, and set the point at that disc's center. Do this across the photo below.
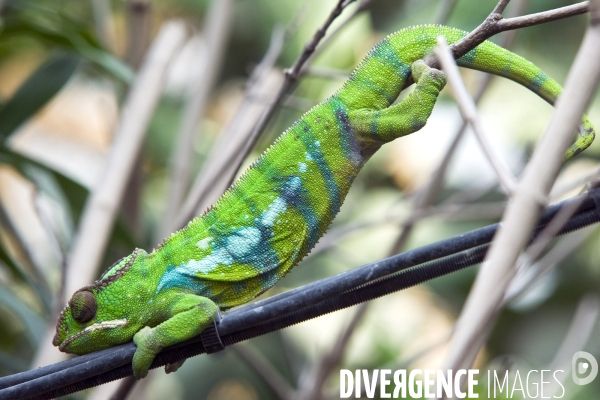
(325, 296)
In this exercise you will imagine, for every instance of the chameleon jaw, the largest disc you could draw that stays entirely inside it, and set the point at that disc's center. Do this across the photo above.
(115, 323)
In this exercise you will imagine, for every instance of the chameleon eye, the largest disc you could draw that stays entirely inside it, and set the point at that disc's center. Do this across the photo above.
(83, 306)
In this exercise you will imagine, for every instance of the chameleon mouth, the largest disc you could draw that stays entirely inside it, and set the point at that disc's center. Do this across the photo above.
(99, 326)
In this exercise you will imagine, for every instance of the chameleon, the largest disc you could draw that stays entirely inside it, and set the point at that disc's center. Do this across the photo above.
(275, 213)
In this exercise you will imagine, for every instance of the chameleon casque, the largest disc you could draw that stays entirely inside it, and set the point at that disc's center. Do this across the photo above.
(276, 212)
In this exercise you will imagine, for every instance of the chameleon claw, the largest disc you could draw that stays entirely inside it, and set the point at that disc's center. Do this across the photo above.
(420, 70)
(144, 353)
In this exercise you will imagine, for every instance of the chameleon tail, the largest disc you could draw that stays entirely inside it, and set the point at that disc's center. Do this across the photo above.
(496, 60)
(377, 81)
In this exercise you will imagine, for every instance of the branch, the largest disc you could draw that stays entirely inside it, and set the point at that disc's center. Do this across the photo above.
(468, 110)
(277, 312)
(196, 202)
(495, 24)
(215, 34)
(522, 212)
(291, 76)
(102, 205)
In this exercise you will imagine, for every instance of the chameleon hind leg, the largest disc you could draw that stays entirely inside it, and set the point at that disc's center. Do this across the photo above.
(188, 316)
(405, 117)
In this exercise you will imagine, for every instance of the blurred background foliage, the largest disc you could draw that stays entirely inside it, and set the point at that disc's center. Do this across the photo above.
(65, 69)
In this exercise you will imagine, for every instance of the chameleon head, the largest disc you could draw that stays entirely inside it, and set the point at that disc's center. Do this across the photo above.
(81, 329)
(96, 317)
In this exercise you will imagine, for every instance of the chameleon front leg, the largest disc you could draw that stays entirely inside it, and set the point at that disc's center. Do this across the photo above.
(187, 317)
(405, 117)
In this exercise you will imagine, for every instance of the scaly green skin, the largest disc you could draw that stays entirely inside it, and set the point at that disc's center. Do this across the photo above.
(273, 215)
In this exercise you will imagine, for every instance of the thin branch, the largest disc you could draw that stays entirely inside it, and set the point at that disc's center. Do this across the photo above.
(430, 192)
(521, 215)
(468, 109)
(138, 13)
(291, 76)
(495, 24)
(525, 277)
(312, 388)
(194, 205)
(216, 35)
(218, 169)
(102, 205)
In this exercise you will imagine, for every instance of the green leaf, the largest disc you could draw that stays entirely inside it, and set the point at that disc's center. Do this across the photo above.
(40, 87)
(70, 38)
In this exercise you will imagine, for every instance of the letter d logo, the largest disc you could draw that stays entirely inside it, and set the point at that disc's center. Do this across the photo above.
(580, 367)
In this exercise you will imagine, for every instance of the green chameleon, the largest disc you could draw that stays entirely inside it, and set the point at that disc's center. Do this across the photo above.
(277, 211)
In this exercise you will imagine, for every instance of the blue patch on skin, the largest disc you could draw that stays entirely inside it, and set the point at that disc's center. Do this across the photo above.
(295, 195)
(243, 242)
(348, 140)
(248, 245)
(536, 83)
(176, 277)
(302, 167)
(313, 149)
(468, 59)
(385, 52)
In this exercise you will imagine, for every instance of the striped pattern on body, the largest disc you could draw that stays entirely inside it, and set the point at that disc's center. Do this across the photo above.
(275, 213)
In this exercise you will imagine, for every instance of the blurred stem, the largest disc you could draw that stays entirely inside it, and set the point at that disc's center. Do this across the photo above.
(139, 24)
(291, 76)
(261, 366)
(23, 256)
(431, 191)
(211, 181)
(483, 302)
(312, 389)
(139, 15)
(102, 22)
(102, 204)
(216, 36)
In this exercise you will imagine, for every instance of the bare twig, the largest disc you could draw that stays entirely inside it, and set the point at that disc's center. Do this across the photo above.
(560, 190)
(582, 326)
(312, 386)
(430, 192)
(194, 204)
(218, 169)
(363, 5)
(216, 35)
(291, 76)
(101, 207)
(139, 30)
(468, 109)
(495, 24)
(522, 213)
(527, 276)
